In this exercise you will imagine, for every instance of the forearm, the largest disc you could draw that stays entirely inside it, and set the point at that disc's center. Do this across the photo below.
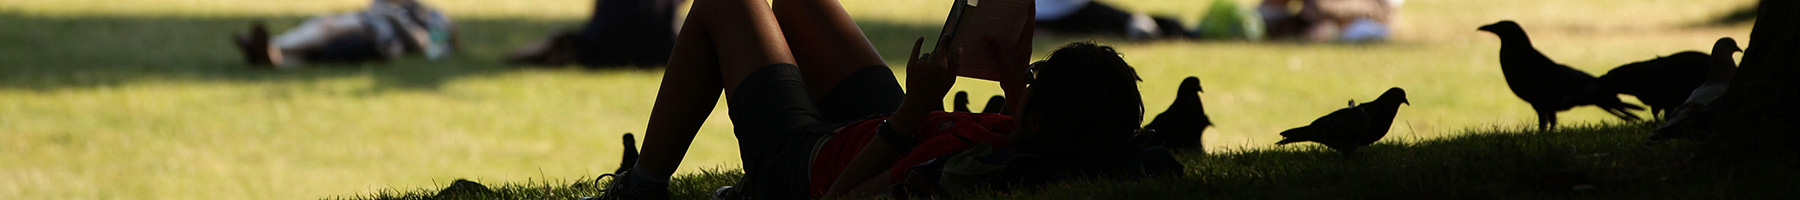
(912, 111)
(1014, 86)
(879, 154)
(871, 162)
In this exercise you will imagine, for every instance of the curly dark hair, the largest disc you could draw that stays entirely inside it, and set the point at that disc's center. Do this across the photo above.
(1083, 98)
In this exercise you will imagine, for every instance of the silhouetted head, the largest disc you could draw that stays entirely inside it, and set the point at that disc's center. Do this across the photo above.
(1726, 46)
(996, 104)
(1083, 95)
(962, 98)
(1190, 85)
(1394, 94)
(1506, 28)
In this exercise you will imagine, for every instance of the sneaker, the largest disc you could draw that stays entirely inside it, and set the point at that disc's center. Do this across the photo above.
(624, 186)
(726, 192)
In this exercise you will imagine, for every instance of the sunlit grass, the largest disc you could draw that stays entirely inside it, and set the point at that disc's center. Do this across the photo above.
(145, 99)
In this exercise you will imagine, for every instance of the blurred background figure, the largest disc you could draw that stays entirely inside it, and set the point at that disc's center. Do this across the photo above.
(386, 29)
(1329, 20)
(619, 32)
(1090, 17)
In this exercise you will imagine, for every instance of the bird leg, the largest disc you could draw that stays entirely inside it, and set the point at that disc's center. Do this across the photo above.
(1546, 121)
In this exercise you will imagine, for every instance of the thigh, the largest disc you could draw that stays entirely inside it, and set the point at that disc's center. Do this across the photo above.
(775, 125)
(824, 40)
(869, 91)
(745, 37)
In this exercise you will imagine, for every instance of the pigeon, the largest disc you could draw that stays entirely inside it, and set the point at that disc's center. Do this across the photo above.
(961, 103)
(1550, 87)
(629, 158)
(1180, 127)
(995, 105)
(1685, 120)
(1348, 129)
(1662, 83)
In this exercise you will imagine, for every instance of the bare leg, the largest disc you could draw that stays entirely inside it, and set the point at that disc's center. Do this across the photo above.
(828, 45)
(721, 43)
(311, 35)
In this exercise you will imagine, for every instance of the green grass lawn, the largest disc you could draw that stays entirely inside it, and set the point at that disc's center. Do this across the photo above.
(147, 100)
(1578, 162)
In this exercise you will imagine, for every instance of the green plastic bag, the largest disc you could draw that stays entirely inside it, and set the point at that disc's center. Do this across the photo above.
(1225, 20)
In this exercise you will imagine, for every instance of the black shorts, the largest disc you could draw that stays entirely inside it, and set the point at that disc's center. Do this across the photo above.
(777, 123)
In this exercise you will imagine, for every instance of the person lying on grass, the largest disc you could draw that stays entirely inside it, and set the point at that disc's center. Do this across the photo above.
(387, 29)
(618, 33)
(801, 81)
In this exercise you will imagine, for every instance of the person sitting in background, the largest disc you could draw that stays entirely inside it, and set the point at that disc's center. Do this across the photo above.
(386, 29)
(1090, 17)
(619, 32)
(1329, 20)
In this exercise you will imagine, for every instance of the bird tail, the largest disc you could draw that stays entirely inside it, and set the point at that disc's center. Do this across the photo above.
(1302, 134)
(1608, 98)
(1620, 109)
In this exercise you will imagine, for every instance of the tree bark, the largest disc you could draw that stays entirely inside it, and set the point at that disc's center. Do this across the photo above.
(1760, 114)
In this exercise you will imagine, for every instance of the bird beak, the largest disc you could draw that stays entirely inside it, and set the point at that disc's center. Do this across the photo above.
(1406, 102)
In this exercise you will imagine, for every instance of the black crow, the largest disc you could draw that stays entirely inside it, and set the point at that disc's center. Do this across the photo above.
(1550, 87)
(1350, 128)
(961, 103)
(1662, 83)
(1685, 121)
(995, 105)
(1180, 127)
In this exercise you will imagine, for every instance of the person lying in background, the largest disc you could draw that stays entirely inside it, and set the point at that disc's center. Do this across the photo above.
(1095, 18)
(385, 30)
(807, 95)
(618, 33)
(1329, 20)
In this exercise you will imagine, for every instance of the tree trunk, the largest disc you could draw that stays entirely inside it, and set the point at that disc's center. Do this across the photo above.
(1760, 114)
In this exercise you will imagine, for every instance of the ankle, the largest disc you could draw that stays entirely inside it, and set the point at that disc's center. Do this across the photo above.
(649, 176)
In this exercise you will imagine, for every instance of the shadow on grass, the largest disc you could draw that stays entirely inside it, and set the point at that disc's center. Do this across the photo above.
(1587, 162)
(1574, 162)
(50, 53)
(47, 53)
